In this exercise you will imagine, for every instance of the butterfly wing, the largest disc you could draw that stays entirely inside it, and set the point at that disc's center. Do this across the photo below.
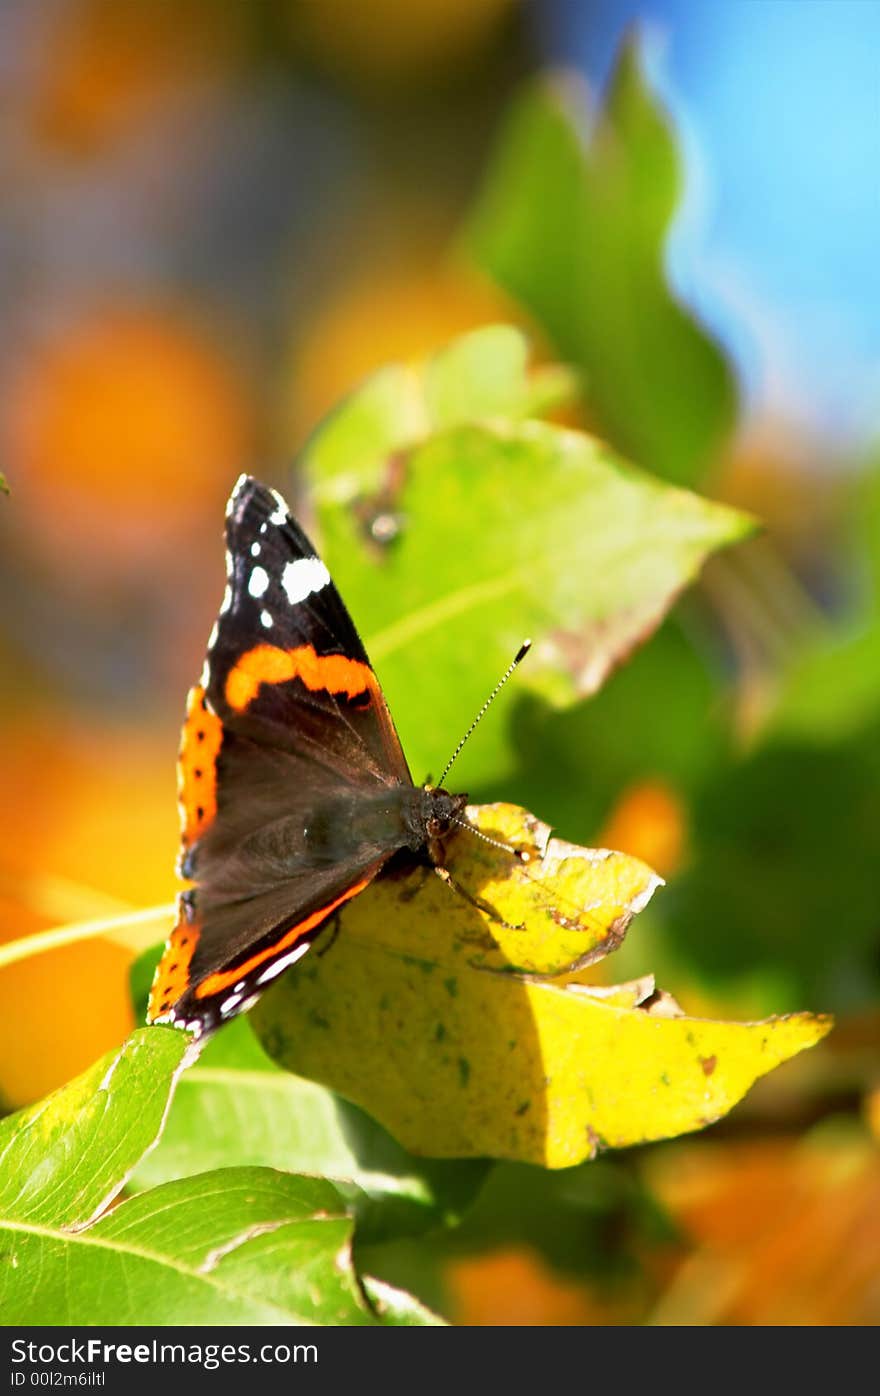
(291, 775)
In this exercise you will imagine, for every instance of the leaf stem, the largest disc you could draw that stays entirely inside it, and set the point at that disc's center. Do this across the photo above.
(43, 941)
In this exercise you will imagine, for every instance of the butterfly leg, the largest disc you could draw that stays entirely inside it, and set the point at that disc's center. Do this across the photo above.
(477, 902)
(329, 942)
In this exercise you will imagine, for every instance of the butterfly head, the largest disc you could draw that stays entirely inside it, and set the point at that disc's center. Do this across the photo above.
(431, 817)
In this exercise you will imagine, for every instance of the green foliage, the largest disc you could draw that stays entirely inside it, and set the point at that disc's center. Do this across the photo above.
(573, 227)
(235, 1107)
(596, 1223)
(241, 1245)
(228, 1113)
(65, 1159)
(787, 854)
(480, 376)
(572, 222)
(237, 1245)
(507, 528)
(662, 715)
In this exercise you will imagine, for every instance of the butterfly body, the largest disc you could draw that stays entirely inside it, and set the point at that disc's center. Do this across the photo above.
(293, 788)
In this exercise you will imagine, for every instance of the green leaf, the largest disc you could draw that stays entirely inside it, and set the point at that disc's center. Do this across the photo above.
(62, 1161)
(785, 852)
(240, 1245)
(541, 531)
(236, 1245)
(480, 375)
(394, 1306)
(574, 229)
(235, 1108)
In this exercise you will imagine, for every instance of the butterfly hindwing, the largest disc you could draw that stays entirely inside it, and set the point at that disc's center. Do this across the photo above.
(221, 954)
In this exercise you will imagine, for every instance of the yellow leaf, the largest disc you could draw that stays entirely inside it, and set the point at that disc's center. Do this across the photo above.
(428, 1011)
(551, 910)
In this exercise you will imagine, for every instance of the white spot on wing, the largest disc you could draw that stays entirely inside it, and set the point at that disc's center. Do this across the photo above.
(266, 618)
(227, 601)
(230, 1004)
(236, 490)
(255, 550)
(259, 581)
(304, 577)
(280, 965)
(280, 514)
(212, 638)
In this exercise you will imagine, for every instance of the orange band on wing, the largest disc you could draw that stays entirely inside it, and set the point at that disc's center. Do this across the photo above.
(268, 664)
(200, 742)
(216, 983)
(171, 979)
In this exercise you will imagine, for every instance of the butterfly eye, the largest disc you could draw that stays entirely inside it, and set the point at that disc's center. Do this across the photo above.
(434, 827)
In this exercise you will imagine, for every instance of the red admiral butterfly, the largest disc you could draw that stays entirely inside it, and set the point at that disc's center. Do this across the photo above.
(294, 790)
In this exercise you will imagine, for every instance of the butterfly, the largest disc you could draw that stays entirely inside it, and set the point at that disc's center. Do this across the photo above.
(294, 791)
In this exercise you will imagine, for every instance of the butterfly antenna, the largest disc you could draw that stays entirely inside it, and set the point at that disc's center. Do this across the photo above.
(519, 853)
(517, 659)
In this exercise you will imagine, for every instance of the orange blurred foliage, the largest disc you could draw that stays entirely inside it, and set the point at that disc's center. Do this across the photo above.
(782, 1232)
(95, 804)
(514, 1286)
(649, 822)
(125, 425)
(107, 67)
(95, 808)
(59, 1012)
(773, 1232)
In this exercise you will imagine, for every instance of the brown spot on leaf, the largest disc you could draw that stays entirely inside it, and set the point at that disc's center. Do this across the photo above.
(613, 938)
(708, 1064)
(596, 1141)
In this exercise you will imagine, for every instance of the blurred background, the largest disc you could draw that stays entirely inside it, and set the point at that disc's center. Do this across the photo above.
(216, 218)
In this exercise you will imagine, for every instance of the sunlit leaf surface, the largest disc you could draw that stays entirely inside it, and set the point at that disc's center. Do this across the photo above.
(238, 1246)
(65, 1159)
(452, 547)
(422, 1014)
(235, 1107)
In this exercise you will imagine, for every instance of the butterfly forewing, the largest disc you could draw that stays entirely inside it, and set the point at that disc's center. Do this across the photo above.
(291, 775)
(285, 662)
